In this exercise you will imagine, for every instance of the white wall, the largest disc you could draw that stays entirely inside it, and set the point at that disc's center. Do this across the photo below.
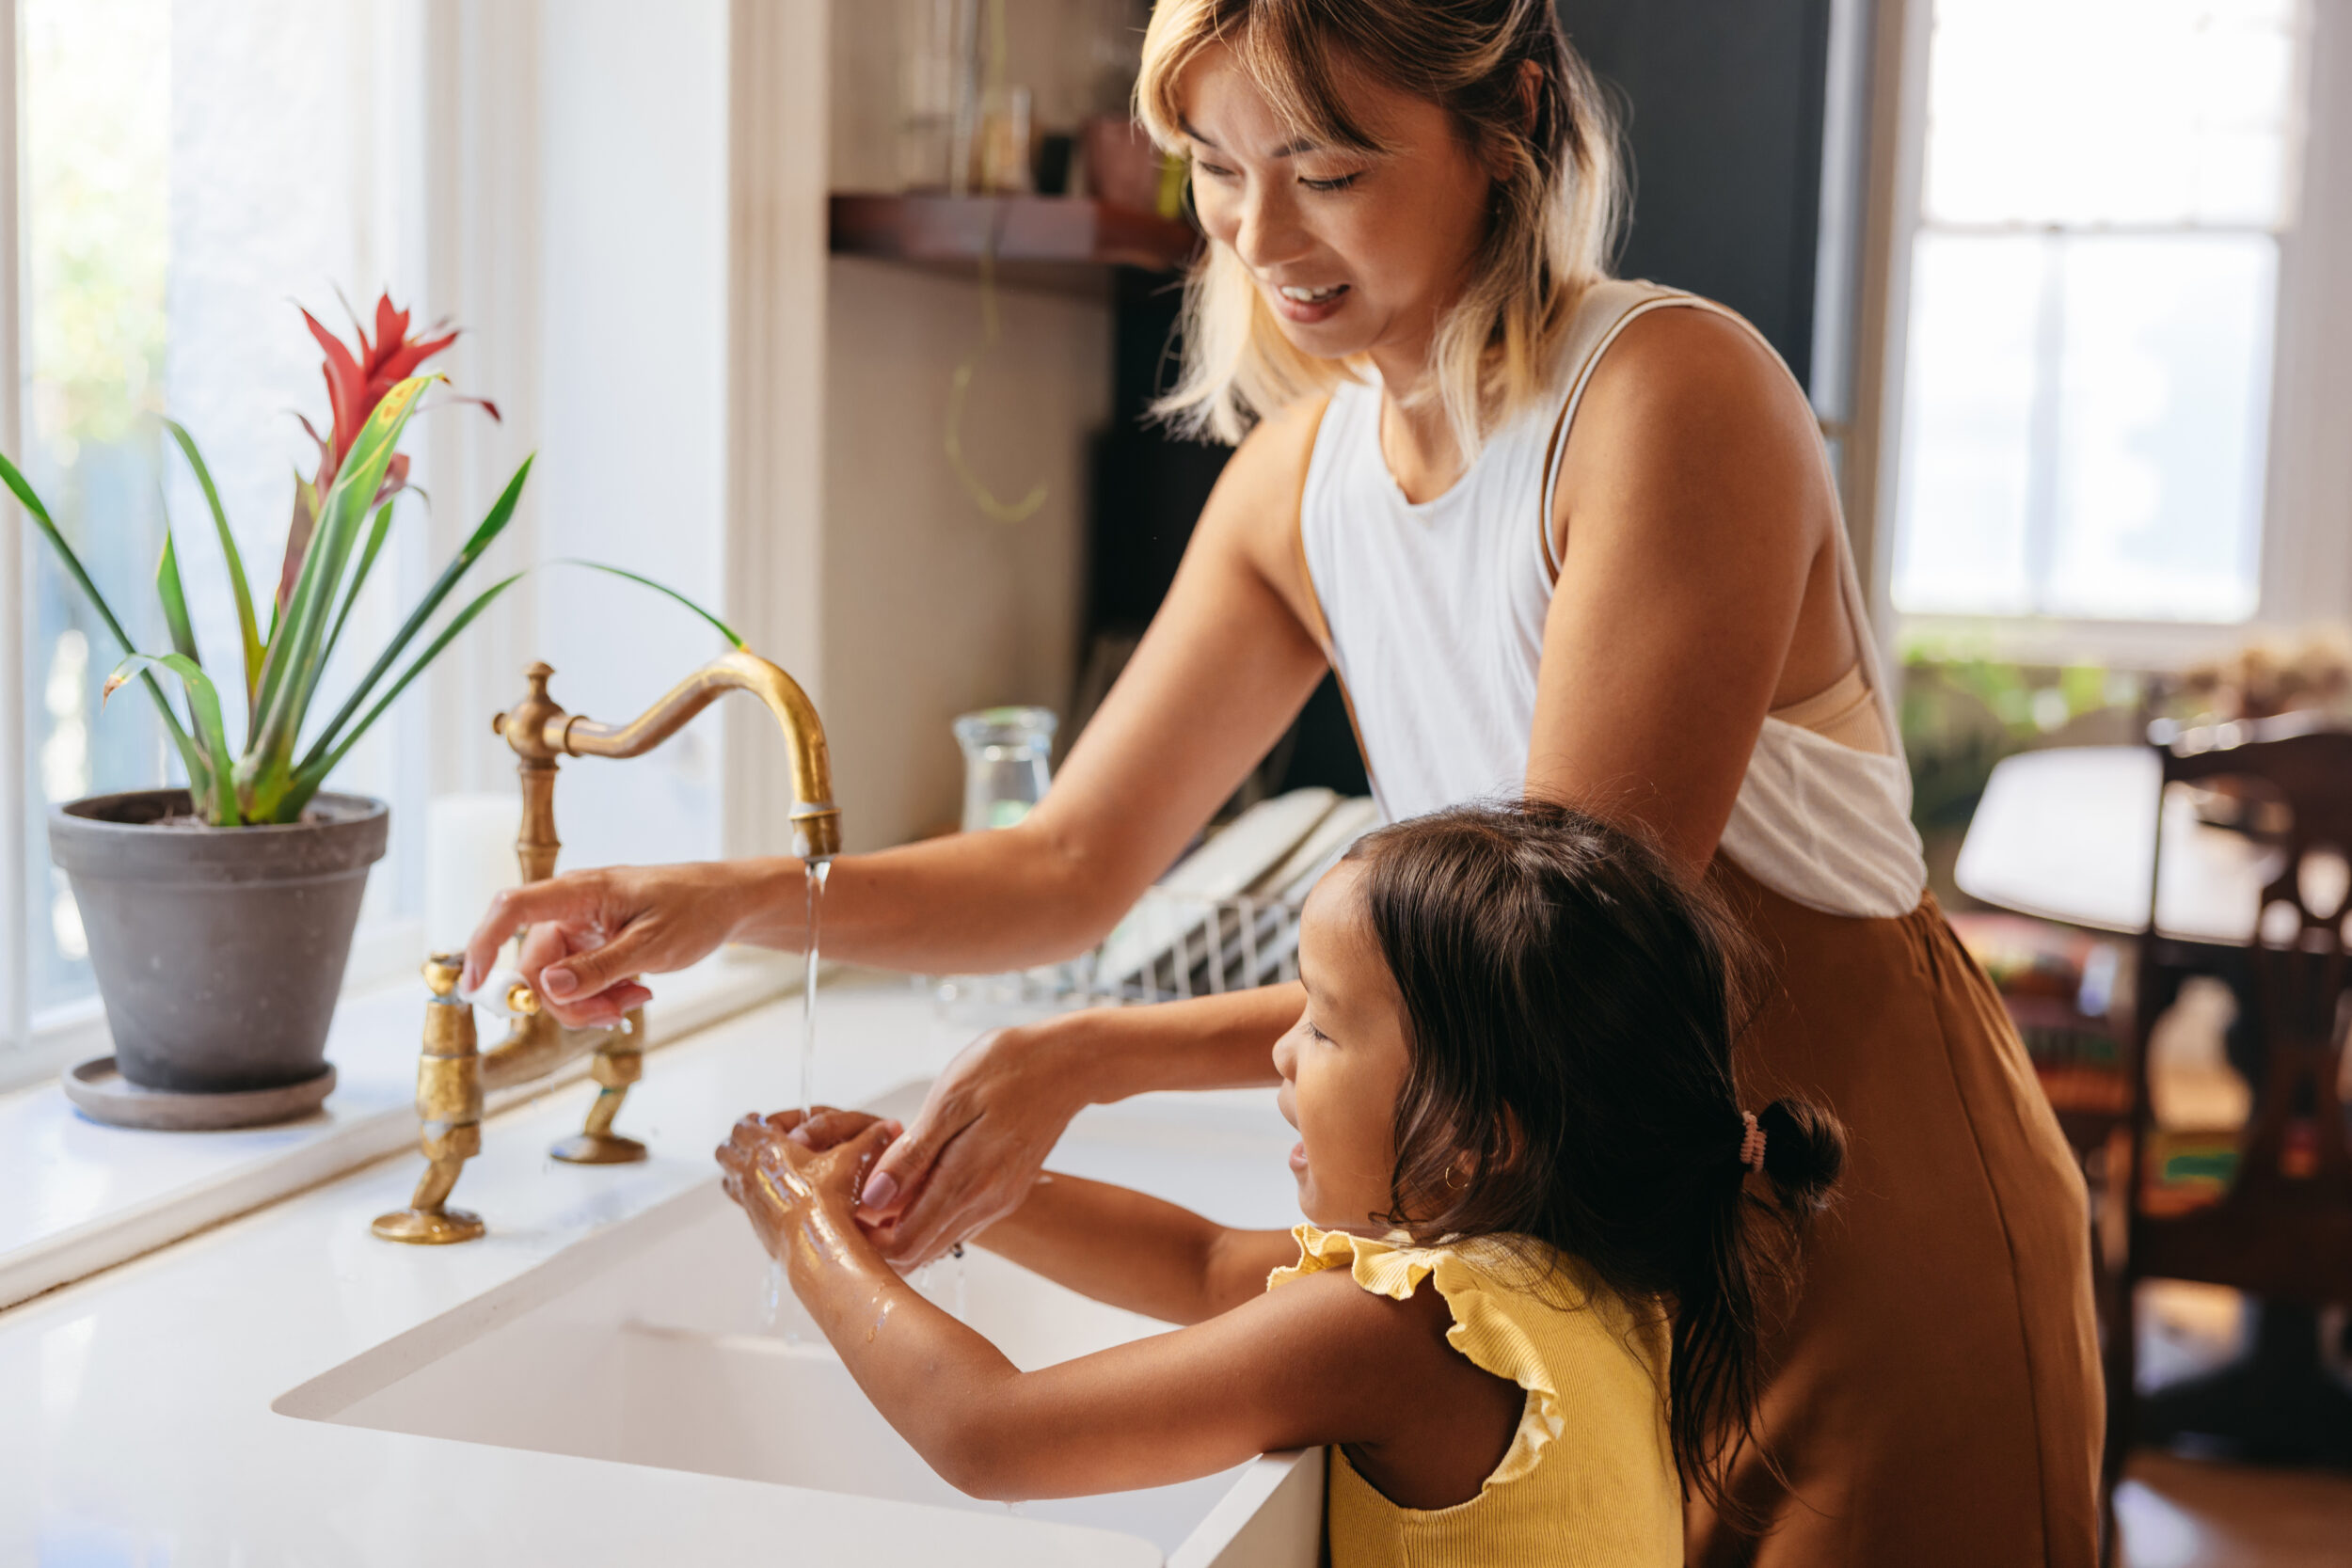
(930, 608)
(632, 399)
(683, 300)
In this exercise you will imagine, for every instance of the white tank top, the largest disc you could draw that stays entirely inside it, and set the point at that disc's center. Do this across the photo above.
(1436, 615)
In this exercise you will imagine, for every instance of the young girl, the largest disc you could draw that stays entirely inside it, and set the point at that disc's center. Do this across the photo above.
(1513, 1082)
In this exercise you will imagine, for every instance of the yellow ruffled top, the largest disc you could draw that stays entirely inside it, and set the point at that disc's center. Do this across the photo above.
(1588, 1480)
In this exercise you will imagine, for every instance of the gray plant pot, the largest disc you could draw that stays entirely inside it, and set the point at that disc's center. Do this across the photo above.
(219, 951)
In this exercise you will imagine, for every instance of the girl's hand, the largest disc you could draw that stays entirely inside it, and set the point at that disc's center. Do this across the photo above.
(974, 1151)
(593, 933)
(788, 1189)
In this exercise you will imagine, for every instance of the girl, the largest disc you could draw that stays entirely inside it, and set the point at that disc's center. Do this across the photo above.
(1512, 1084)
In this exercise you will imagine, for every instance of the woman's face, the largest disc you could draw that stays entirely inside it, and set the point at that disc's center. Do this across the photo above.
(1354, 254)
(1344, 1063)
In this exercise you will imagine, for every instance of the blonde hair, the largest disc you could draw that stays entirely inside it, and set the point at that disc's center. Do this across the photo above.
(1555, 207)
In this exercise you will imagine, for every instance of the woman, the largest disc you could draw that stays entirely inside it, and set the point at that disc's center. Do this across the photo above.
(1551, 531)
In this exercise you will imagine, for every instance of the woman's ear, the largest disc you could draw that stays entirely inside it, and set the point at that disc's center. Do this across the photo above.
(1531, 97)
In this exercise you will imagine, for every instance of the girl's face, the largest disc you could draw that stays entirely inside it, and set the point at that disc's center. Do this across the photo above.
(1344, 1063)
(1354, 254)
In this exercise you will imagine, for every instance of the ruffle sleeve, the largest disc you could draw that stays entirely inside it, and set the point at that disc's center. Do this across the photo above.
(1488, 1325)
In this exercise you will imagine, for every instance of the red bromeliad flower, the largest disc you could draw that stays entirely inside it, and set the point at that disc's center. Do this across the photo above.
(356, 383)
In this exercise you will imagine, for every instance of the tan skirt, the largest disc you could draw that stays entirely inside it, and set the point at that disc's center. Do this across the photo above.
(1935, 1397)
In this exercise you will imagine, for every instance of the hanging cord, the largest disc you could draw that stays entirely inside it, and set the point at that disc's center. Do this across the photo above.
(992, 323)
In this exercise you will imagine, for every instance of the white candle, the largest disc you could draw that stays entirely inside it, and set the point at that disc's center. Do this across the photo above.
(469, 855)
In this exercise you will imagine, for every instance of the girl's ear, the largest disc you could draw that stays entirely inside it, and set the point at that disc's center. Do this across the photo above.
(1507, 1145)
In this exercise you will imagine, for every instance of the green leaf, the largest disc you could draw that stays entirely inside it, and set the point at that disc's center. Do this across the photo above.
(724, 630)
(493, 524)
(359, 574)
(314, 771)
(189, 757)
(295, 663)
(248, 630)
(175, 599)
(214, 793)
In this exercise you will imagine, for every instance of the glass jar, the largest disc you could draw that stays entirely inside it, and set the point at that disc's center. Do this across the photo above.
(1007, 764)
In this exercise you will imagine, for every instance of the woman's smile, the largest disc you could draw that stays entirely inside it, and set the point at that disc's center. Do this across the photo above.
(1306, 305)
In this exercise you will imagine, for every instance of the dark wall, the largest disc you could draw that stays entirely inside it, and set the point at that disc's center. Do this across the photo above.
(1723, 102)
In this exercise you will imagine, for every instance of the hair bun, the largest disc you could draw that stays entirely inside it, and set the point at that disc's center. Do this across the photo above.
(1804, 1148)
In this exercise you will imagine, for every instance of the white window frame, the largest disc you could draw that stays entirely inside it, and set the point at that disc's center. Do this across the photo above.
(2306, 557)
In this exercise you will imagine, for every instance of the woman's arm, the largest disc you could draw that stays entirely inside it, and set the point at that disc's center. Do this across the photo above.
(1225, 665)
(991, 1119)
(1699, 582)
(1320, 1361)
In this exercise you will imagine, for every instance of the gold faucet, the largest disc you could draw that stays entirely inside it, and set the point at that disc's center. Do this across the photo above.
(453, 1074)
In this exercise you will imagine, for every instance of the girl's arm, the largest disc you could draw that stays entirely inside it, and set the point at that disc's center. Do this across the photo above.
(1135, 1251)
(1320, 1361)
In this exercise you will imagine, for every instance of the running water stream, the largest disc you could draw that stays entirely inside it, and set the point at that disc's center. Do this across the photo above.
(818, 872)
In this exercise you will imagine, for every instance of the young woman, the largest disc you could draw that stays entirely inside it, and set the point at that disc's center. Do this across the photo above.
(1555, 532)
(1513, 1086)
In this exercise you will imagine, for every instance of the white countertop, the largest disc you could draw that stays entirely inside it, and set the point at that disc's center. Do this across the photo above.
(83, 1196)
(137, 1425)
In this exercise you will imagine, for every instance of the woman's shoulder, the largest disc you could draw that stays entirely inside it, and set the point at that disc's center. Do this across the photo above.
(1664, 350)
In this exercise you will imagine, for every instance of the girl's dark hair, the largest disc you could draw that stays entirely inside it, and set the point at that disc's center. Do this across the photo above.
(1572, 1004)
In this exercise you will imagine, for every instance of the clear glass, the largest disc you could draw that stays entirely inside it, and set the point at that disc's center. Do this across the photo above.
(2092, 307)
(1968, 425)
(2162, 398)
(2184, 117)
(1007, 764)
(190, 166)
(2085, 429)
(929, 71)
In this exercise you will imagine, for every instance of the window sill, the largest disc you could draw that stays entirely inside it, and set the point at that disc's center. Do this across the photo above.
(2153, 646)
(88, 1197)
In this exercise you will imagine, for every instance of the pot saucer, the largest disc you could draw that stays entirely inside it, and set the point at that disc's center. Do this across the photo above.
(105, 1095)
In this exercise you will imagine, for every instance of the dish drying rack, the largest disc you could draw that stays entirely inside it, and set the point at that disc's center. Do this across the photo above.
(1227, 917)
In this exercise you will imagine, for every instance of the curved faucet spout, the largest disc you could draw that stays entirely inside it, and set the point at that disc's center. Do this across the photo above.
(546, 732)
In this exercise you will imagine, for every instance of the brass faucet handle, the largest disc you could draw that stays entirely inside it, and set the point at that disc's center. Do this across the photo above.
(448, 1113)
(442, 971)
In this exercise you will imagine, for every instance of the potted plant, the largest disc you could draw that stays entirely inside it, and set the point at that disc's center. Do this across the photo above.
(220, 915)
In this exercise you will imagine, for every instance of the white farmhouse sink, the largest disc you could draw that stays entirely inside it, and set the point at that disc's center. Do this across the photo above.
(654, 1343)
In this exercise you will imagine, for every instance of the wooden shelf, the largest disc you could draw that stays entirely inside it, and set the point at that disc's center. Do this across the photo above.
(1059, 242)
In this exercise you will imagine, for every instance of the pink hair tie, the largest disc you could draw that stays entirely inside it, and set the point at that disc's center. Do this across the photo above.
(1752, 1143)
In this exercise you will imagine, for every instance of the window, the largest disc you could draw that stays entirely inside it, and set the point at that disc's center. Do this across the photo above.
(2093, 307)
(551, 179)
(188, 172)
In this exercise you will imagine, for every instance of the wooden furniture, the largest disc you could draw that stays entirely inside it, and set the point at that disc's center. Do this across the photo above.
(1064, 243)
(2282, 1228)
(2071, 836)
(2061, 985)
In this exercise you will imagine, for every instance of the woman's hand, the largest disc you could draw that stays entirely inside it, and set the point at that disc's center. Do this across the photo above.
(788, 1186)
(593, 933)
(974, 1151)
